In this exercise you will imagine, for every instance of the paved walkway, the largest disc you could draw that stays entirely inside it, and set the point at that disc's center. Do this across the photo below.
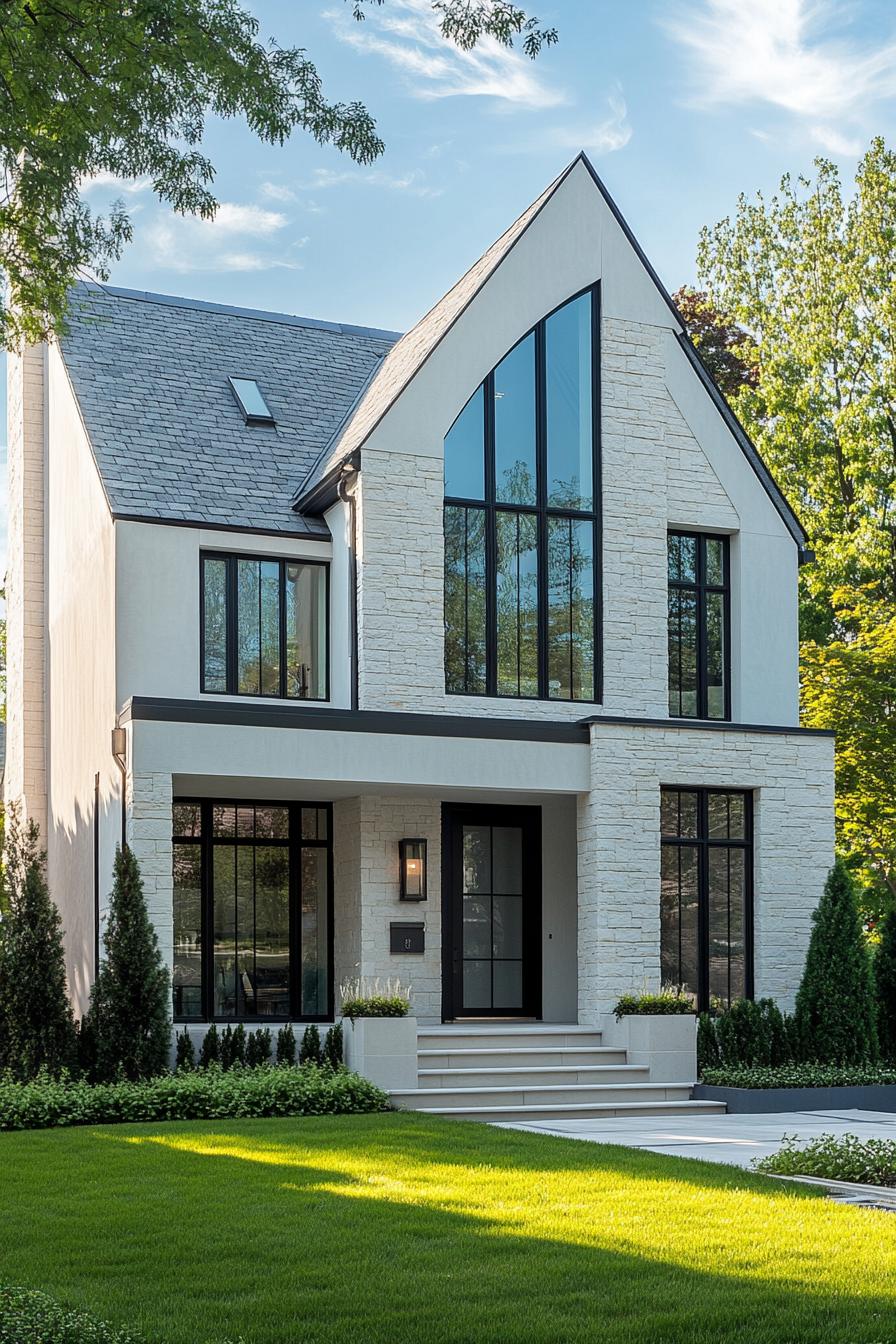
(718, 1138)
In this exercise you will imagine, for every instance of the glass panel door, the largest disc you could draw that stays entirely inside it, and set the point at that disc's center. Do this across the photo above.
(496, 898)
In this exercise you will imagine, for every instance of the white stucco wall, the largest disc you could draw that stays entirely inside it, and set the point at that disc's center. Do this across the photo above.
(791, 777)
(668, 460)
(80, 681)
(157, 606)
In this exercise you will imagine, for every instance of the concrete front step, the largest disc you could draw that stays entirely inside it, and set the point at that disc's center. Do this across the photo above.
(427, 1099)
(594, 1110)
(532, 1076)
(523, 1057)
(468, 1036)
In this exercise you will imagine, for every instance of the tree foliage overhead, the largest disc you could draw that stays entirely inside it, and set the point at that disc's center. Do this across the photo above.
(809, 274)
(725, 348)
(124, 88)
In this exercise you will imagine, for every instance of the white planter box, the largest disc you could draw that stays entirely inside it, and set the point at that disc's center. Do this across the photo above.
(665, 1042)
(383, 1049)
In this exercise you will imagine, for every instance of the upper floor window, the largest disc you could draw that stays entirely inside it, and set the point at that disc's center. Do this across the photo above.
(699, 641)
(522, 490)
(264, 627)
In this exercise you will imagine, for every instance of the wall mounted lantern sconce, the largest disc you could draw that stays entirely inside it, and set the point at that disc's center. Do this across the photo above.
(412, 870)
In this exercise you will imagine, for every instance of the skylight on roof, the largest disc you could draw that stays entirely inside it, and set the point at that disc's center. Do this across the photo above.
(251, 402)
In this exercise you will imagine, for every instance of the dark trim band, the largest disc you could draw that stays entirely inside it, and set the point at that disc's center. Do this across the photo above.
(141, 708)
(323, 536)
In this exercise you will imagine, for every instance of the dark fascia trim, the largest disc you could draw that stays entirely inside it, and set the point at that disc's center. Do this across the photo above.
(322, 536)
(147, 708)
(325, 493)
(306, 492)
(709, 726)
(789, 518)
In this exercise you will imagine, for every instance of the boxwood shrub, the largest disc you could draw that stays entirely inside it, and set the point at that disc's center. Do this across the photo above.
(848, 1158)
(208, 1094)
(802, 1075)
(27, 1317)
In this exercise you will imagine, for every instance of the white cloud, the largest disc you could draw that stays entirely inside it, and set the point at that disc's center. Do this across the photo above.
(602, 137)
(274, 191)
(120, 185)
(412, 183)
(792, 55)
(407, 36)
(239, 238)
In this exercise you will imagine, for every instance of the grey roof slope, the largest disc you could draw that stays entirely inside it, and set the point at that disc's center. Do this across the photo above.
(413, 349)
(150, 376)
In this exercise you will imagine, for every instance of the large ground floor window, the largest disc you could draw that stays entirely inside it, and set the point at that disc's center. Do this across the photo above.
(706, 900)
(252, 911)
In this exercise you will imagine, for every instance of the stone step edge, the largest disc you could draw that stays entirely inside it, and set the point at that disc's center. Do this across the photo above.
(594, 1108)
(516, 1050)
(500, 1029)
(546, 1087)
(489, 1072)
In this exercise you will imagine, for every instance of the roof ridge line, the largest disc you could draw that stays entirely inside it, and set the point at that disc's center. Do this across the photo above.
(233, 310)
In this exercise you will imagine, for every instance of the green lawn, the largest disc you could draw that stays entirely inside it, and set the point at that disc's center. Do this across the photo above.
(407, 1230)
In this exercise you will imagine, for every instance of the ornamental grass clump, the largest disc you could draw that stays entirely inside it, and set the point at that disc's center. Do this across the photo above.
(362, 997)
(670, 1000)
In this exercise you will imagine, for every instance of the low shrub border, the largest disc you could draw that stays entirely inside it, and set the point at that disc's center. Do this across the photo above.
(28, 1317)
(209, 1094)
(848, 1158)
(800, 1087)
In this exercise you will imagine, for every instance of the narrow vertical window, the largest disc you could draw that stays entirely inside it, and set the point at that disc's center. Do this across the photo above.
(706, 894)
(521, 520)
(699, 676)
(264, 627)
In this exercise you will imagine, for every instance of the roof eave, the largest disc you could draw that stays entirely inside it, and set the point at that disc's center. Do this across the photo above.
(325, 493)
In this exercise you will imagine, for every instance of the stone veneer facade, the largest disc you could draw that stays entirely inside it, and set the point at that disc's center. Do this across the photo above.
(25, 781)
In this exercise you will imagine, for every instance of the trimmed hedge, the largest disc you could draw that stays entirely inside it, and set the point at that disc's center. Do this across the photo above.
(848, 1158)
(376, 1005)
(210, 1094)
(802, 1075)
(642, 1005)
(27, 1317)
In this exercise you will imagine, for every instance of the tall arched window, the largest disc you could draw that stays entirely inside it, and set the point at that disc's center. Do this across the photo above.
(522, 504)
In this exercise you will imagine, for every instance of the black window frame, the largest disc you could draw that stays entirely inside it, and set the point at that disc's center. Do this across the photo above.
(250, 417)
(231, 559)
(542, 512)
(703, 843)
(701, 588)
(294, 844)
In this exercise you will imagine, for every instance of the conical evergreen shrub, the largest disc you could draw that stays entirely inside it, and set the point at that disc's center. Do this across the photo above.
(885, 987)
(37, 1029)
(835, 1009)
(130, 1009)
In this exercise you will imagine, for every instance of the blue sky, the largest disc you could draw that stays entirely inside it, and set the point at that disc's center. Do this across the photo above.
(681, 104)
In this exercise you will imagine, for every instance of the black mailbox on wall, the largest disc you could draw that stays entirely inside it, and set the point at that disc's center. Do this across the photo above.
(406, 938)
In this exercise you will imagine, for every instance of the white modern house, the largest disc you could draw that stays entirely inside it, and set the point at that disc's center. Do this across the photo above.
(467, 656)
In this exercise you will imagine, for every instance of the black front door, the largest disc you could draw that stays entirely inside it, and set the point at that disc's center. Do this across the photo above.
(491, 918)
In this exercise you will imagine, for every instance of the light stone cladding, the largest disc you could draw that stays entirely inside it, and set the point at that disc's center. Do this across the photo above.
(791, 777)
(366, 889)
(25, 781)
(149, 826)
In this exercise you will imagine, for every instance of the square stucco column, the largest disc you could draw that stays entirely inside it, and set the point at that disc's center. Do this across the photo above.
(367, 830)
(149, 827)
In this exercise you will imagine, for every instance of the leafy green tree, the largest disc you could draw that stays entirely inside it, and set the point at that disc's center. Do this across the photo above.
(835, 1007)
(130, 1003)
(93, 87)
(725, 348)
(885, 986)
(37, 1029)
(809, 274)
(849, 684)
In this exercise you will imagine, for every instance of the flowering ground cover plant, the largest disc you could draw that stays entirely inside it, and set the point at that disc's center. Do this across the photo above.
(848, 1158)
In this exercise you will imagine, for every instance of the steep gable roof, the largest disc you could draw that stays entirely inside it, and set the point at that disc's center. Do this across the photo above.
(149, 373)
(411, 352)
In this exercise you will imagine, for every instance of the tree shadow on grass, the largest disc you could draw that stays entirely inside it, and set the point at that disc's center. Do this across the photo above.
(349, 1234)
